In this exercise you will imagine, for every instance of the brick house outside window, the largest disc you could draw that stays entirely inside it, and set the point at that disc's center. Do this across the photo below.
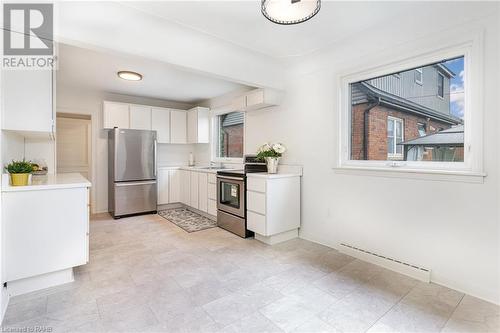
(399, 107)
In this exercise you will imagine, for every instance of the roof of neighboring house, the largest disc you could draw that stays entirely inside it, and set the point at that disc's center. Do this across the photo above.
(233, 118)
(403, 104)
(450, 137)
(445, 69)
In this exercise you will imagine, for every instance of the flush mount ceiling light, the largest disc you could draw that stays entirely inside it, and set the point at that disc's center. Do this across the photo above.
(290, 11)
(130, 76)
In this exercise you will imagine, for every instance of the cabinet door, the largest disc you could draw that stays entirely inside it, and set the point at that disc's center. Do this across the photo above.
(174, 186)
(203, 135)
(202, 192)
(163, 190)
(185, 186)
(193, 201)
(255, 97)
(27, 100)
(192, 126)
(178, 126)
(140, 117)
(212, 207)
(116, 115)
(239, 103)
(160, 122)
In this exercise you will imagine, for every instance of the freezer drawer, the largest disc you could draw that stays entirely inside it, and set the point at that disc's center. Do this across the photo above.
(134, 197)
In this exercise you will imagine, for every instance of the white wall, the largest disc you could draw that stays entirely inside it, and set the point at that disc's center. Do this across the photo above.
(79, 101)
(450, 227)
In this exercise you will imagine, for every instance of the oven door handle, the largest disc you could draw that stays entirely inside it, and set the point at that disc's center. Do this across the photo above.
(231, 178)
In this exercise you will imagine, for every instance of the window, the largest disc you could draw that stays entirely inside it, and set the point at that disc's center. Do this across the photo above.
(229, 135)
(389, 122)
(419, 76)
(394, 138)
(440, 85)
(421, 129)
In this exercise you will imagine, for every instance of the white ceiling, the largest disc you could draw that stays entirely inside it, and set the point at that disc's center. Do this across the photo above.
(97, 70)
(241, 22)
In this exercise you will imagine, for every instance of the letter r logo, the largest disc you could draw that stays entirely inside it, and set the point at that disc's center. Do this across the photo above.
(28, 29)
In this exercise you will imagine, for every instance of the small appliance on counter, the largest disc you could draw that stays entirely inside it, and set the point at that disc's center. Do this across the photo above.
(231, 197)
(131, 172)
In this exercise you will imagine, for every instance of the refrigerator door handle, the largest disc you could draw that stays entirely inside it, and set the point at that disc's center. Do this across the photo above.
(150, 182)
(155, 143)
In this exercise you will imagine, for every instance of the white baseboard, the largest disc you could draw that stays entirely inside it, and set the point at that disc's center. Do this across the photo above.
(27, 285)
(279, 238)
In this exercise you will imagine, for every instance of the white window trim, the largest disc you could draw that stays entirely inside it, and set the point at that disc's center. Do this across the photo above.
(213, 146)
(395, 119)
(440, 75)
(421, 81)
(471, 170)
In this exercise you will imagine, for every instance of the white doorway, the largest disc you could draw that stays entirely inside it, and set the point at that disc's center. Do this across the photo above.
(74, 144)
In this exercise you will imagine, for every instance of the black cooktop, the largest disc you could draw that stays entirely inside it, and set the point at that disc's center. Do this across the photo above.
(232, 173)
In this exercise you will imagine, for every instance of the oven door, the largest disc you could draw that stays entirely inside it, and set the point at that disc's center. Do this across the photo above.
(231, 195)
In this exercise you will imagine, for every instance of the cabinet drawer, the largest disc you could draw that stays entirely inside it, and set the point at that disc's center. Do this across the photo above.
(212, 178)
(256, 223)
(256, 202)
(212, 191)
(256, 184)
(212, 207)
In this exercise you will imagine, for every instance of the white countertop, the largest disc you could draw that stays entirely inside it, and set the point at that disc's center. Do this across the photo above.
(193, 168)
(48, 182)
(273, 175)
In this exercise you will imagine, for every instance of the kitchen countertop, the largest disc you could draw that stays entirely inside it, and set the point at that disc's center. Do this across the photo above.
(193, 168)
(273, 175)
(47, 182)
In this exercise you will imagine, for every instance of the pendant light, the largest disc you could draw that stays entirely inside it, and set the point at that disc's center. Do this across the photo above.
(288, 12)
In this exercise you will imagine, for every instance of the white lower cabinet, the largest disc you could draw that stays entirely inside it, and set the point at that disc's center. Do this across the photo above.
(174, 180)
(194, 189)
(163, 186)
(212, 207)
(185, 186)
(45, 231)
(193, 197)
(273, 207)
(203, 192)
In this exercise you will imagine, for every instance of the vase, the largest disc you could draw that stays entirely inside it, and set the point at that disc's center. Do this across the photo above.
(19, 179)
(272, 164)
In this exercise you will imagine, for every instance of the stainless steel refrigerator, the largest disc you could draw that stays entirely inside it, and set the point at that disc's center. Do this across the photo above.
(131, 172)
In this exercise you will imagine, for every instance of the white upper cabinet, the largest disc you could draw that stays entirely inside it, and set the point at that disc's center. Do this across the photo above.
(178, 126)
(198, 125)
(163, 186)
(160, 122)
(140, 117)
(116, 115)
(257, 99)
(27, 100)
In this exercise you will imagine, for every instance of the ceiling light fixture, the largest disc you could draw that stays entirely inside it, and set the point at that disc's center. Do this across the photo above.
(288, 12)
(130, 76)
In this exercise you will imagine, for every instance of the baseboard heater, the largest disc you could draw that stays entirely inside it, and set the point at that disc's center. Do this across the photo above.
(414, 271)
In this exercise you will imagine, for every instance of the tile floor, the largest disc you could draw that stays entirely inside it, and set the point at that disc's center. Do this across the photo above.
(148, 275)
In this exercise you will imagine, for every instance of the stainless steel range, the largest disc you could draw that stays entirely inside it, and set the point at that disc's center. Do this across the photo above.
(231, 197)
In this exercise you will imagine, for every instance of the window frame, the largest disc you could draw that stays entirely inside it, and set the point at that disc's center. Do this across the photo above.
(215, 113)
(396, 120)
(421, 81)
(440, 75)
(471, 169)
(424, 127)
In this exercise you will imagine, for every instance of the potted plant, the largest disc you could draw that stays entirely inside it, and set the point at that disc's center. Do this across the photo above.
(19, 172)
(271, 153)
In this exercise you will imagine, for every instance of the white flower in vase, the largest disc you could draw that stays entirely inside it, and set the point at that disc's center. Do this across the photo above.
(279, 148)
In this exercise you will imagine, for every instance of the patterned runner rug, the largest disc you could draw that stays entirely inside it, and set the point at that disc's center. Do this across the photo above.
(187, 219)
